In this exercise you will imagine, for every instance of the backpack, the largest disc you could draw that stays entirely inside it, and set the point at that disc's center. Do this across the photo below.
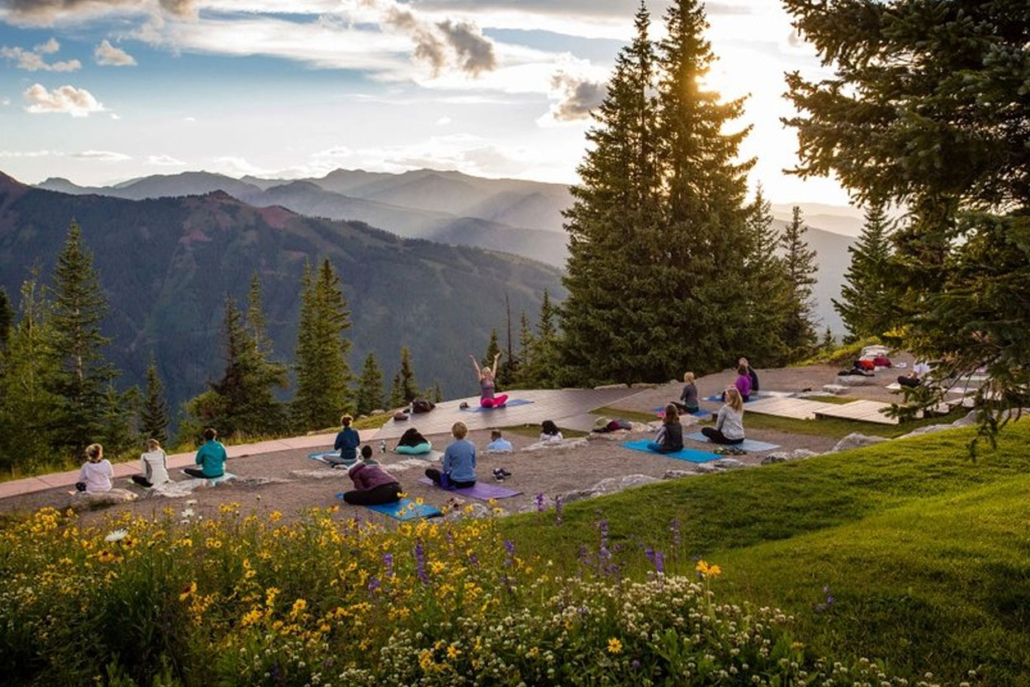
(421, 405)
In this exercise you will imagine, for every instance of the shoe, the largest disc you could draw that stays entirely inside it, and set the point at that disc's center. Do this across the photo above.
(503, 472)
(499, 475)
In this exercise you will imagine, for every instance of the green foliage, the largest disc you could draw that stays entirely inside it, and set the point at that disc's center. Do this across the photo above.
(79, 308)
(914, 541)
(323, 375)
(397, 398)
(28, 404)
(798, 330)
(406, 378)
(493, 350)
(867, 305)
(926, 109)
(767, 290)
(154, 413)
(370, 387)
(658, 230)
(6, 319)
(541, 366)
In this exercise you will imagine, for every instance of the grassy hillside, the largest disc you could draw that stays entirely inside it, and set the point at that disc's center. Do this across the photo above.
(925, 553)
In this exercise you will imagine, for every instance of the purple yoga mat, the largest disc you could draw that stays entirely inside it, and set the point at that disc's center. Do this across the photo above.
(481, 491)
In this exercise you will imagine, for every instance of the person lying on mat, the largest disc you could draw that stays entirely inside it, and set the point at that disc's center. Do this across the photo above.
(729, 424)
(486, 377)
(750, 373)
(373, 486)
(670, 435)
(549, 432)
(347, 441)
(688, 399)
(413, 443)
(459, 461)
(211, 457)
(498, 442)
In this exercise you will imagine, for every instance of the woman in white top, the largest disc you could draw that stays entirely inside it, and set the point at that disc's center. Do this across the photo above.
(729, 425)
(96, 473)
(155, 466)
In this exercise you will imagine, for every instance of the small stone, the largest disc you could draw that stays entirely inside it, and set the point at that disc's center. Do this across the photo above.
(856, 440)
(729, 464)
(677, 474)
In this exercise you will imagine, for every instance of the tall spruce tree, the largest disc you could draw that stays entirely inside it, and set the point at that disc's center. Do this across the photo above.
(799, 333)
(766, 293)
(867, 303)
(370, 387)
(323, 374)
(493, 348)
(154, 413)
(397, 397)
(614, 266)
(409, 387)
(29, 408)
(79, 308)
(6, 318)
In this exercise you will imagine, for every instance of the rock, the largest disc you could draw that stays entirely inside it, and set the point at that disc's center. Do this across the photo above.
(928, 429)
(774, 458)
(557, 445)
(577, 495)
(783, 456)
(856, 380)
(967, 421)
(379, 411)
(85, 501)
(706, 468)
(612, 485)
(856, 440)
(677, 474)
(835, 389)
(729, 464)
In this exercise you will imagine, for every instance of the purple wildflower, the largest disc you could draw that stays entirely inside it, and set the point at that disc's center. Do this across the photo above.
(509, 546)
(473, 559)
(635, 665)
(557, 509)
(649, 552)
(420, 562)
(674, 527)
(540, 507)
(388, 564)
(373, 584)
(659, 562)
(603, 526)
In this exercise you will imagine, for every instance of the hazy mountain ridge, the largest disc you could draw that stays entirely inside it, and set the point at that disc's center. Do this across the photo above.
(167, 264)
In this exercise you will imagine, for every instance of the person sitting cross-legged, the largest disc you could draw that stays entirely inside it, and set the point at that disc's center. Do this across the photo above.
(670, 435)
(211, 457)
(459, 461)
(729, 424)
(373, 486)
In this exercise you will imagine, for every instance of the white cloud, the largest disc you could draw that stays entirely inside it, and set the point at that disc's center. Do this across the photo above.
(163, 161)
(78, 102)
(34, 60)
(109, 56)
(100, 156)
(443, 121)
(115, 116)
(50, 12)
(576, 97)
(27, 153)
(191, 120)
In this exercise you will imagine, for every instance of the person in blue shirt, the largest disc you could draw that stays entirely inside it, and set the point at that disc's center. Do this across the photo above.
(498, 442)
(459, 460)
(347, 441)
(211, 457)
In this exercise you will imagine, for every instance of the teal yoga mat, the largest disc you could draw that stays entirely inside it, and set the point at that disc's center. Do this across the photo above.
(401, 511)
(687, 454)
(747, 445)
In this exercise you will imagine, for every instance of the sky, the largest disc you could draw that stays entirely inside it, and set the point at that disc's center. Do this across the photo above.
(102, 91)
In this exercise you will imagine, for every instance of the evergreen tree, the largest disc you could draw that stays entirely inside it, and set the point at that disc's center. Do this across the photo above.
(120, 413)
(397, 399)
(323, 375)
(798, 332)
(370, 387)
(493, 348)
(79, 308)
(6, 319)
(437, 396)
(614, 267)
(409, 387)
(766, 290)
(866, 304)
(829, 342)
(29, 409)
(154, 414)
(527, 342)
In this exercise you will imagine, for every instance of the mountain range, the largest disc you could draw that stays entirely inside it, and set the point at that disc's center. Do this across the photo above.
(509, 215)
(167, 263)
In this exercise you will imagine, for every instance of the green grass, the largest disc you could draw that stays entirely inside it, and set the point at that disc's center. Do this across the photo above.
(838, 428)
(842, 355)
(613, 413)
(926, 551)
(372, 421)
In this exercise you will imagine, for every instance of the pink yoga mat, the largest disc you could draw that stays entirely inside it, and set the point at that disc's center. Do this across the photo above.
(481, 491)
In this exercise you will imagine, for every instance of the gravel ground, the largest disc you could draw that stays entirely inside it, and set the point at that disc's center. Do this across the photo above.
(270, 482)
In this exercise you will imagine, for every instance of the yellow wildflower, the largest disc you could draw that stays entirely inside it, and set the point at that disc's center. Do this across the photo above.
(614, 646)
(192, 588)
(453, 652)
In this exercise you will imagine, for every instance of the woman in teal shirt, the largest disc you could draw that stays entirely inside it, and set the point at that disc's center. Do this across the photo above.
(211, 457)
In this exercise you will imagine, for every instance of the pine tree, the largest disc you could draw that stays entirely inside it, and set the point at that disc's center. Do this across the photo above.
(437, 396)
(766, 290)
(409, 387)
(120, 413)
(6, 319)
(79, 308)
(493, 348)
(397, 399)
(829, 342)
(798, 332)
(866, 304)
(323, 374)
(29, 409)
(154, 414)
(370, 387)
(612, 272)
(527, 342)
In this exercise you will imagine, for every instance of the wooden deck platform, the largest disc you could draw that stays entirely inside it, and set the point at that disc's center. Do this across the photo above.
(861, 411)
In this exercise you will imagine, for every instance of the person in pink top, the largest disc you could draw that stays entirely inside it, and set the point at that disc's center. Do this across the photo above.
(96, 473)
(486, 377)
(373, 486)
(743, 383)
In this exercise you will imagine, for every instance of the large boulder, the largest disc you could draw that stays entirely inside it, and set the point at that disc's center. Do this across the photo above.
(612, 485)
(677, 474)
(856, 380)
(86, 501)
(835, 389)
(729, 464)
(566, 444)
(856, 440)
(784, 456)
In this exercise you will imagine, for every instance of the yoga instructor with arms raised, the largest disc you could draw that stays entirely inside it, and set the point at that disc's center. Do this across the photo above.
(486, 377)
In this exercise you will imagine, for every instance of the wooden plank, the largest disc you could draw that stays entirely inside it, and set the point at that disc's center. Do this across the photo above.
(860, 411)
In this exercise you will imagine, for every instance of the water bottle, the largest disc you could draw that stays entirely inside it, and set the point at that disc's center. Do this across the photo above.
(382, 446)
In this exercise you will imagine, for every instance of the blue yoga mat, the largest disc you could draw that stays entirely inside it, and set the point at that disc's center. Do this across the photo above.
(747, 444)
(687, 454)
(717, 398)
(400, 510)
(511, 402)
(660, 411)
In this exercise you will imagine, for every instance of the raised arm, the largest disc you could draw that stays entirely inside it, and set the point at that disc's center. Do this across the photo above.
(475, 364)
(493, 370)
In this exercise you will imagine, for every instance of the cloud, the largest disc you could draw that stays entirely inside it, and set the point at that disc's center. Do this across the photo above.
(100, 156)
(48, 12)
(443, 121)
(4, 154)
(440, 44)
(163, 161)
(34, 60)
(109, 56)
(78, 102)
(576, 96)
